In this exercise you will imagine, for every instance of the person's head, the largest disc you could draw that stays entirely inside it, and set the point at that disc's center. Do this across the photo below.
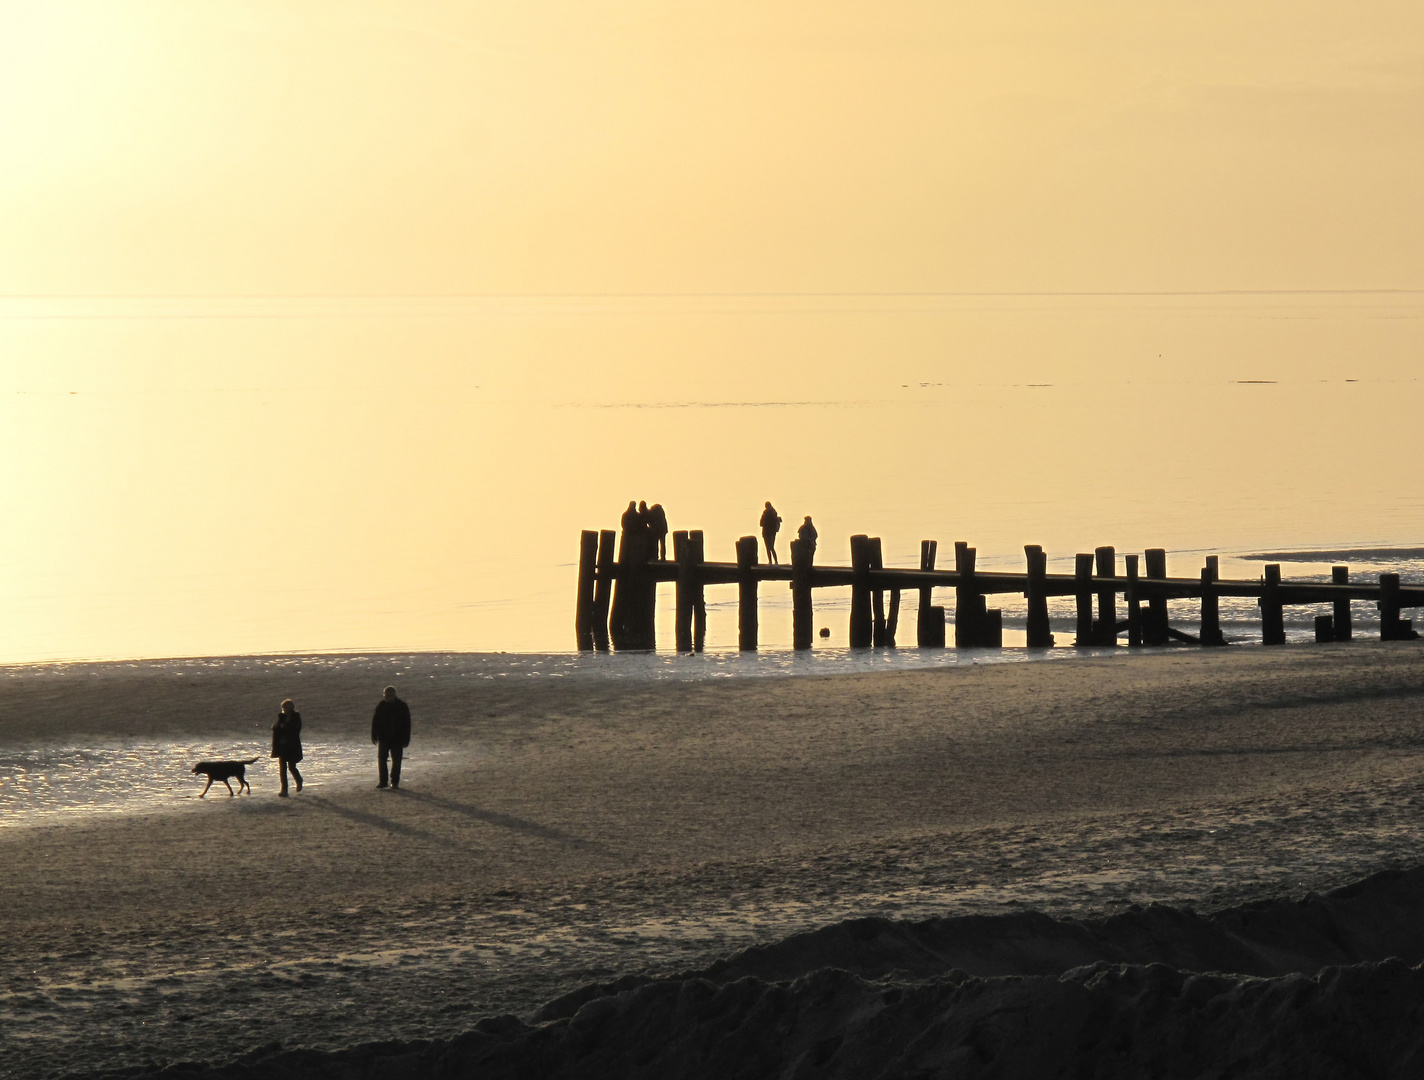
(808, 519)
(768, 504)
(643, 506)
(390, 693)
(632, 504)
(289, 706)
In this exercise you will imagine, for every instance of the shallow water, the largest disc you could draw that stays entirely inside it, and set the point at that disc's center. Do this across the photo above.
(52, 783)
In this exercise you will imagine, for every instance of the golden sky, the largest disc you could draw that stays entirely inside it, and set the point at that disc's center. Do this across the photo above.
(277, 147)
(328, 325)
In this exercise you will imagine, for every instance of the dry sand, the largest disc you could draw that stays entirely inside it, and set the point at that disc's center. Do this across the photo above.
(576, 830)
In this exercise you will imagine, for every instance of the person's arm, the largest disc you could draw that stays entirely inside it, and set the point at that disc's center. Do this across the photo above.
(376, 723)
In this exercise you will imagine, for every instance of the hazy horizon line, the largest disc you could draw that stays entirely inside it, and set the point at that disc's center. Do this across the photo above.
(713, 294)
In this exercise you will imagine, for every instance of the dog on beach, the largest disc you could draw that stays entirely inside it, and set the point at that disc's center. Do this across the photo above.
(223, 770)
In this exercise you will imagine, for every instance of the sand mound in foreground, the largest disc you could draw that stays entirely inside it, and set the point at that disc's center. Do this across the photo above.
(875, 998)
(1372, 919)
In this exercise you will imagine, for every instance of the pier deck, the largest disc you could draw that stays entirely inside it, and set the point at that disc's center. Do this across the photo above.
(617, 595)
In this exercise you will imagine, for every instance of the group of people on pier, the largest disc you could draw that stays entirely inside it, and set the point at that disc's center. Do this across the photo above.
(646, 527)
(771, 525)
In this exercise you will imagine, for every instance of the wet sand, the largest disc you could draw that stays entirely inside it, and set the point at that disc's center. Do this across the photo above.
(569, 832)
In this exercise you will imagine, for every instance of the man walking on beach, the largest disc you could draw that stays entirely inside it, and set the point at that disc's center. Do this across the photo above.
(390, 731)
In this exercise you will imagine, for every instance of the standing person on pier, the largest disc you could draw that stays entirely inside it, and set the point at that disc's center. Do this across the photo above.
(807, 535)
(390, 731)
(631, 540)
(770, 526)
(645, 533)
(658, 527)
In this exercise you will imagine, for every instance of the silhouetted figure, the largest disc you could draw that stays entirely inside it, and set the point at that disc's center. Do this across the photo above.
(807, 535)
(770, 526)
(645, 520)
(287, 743)
(632, 544)
(390, 731)
(658, 527)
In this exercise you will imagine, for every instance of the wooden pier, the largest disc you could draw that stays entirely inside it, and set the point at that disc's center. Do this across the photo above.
(617, 596)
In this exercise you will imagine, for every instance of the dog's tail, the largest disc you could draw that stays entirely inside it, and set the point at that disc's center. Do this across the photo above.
(249, 761)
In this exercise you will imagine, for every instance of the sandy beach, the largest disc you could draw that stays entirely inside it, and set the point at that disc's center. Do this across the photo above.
(552, 834)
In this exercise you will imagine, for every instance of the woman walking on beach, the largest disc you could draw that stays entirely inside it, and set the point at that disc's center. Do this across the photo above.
(287, 743)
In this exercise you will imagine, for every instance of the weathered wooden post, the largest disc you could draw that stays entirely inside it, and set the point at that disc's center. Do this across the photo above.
(1039, 635)
(1134, 603)
(682, 622)
(1210, 605)
(1340, 626)
(635, 594)
(968, 602)
(1273, 615)
(892, 621)
(698, 556)
(923, 631)
(1083, 591)
(1324, 628)
(1392, 627)
(877, 594)
(801, 629)
(1155, 630)
(583, 616)
(747, 594)
(991, 627)
(861, 625)
(1106, 630)
(603, 588)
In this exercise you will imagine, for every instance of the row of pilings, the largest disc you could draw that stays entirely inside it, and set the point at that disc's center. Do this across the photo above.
(617, 595)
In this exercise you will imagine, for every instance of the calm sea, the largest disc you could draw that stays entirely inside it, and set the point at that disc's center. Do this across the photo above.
(200, 477)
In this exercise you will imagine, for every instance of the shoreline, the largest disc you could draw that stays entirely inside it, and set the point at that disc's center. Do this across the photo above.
(581, 830)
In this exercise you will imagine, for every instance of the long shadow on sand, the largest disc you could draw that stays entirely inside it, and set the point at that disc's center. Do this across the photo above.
(506, 821)
(378, 822)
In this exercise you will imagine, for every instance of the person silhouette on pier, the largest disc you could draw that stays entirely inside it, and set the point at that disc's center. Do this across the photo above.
(630, 545)
(770, 526)
(658, 528)
(390, 731)
(807, 535)
(645, 532)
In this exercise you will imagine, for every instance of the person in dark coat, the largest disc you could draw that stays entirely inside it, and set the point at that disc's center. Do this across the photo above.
(645, 524)
(390, 731)
(630, 541)
(658, 526)
(807, 535)
(770, 526)
(287, 743)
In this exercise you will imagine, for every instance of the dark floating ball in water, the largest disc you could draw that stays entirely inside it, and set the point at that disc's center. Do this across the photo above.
(825, 631)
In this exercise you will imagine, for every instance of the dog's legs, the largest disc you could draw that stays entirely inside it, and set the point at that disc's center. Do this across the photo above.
(228, 786)
(242, 783)
(210, 784)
